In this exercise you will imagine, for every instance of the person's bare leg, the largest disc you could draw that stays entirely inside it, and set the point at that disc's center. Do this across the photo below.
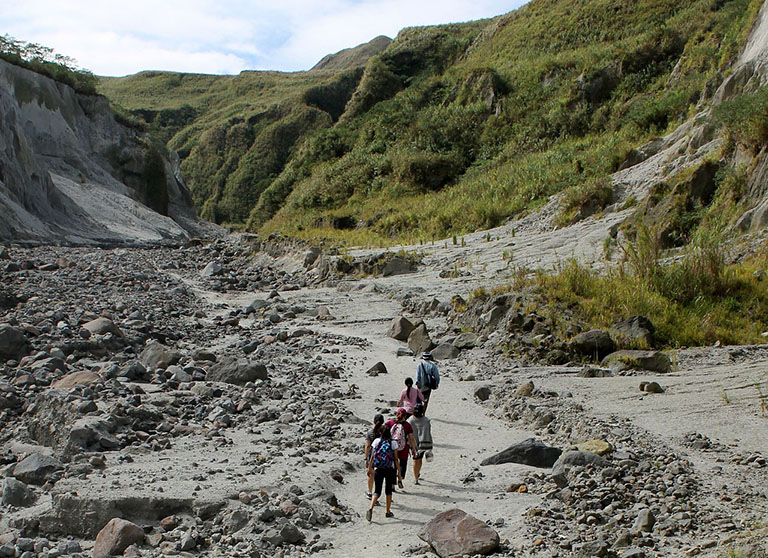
(370, 484)
(388, 502)
(416, 469)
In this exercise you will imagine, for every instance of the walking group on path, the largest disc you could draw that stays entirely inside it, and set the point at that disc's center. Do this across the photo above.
(389, 443)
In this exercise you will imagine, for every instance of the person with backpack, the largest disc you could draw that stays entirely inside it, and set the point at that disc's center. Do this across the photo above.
(427, 377)
(410, 397)
(422, 429)
(382, 468)
(402, 441)
(375, 432)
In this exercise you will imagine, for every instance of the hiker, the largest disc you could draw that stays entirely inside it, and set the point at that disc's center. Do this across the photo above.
(427, 377)
(402, 441)
(409, 397)
(422, 430)
(375, 432)
(382, 469)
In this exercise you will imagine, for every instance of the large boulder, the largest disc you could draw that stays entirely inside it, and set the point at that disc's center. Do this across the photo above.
(466, 341)
(212, 269)
(400, 328)
(115, 537)
(528, 452)
(655, 361)
(16, 493)
(595, 343)
(419, 340)
(445, 351)
(157, 355)
(397, 265)
(456, 533)
(36, 468)
(102, 326)
(236, 371)
(13, 342)
(634, 332)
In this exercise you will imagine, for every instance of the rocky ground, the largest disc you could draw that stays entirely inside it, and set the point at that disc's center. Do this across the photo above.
(216, 399)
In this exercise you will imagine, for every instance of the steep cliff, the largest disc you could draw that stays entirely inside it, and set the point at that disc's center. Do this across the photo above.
(70, 172)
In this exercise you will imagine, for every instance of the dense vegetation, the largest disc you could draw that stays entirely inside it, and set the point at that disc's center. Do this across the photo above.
(449, 129)
(45, 61)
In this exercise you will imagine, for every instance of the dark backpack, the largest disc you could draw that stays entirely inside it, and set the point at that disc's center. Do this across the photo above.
(429, 377)
(383, 455)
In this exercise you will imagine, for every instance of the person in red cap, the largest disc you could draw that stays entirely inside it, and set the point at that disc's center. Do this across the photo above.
(403, 441)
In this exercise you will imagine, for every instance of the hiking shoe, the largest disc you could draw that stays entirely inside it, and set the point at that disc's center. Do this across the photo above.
(416, 481)
(368, 495)
(369, 514)
(389, 514)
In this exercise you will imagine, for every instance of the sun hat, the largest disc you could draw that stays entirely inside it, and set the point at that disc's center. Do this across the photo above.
(401, 412)
(426, 356)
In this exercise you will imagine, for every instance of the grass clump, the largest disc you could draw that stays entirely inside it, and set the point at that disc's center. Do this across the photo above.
(695, 300)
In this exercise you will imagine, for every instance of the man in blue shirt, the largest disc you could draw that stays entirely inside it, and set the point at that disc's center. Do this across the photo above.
(427, 377)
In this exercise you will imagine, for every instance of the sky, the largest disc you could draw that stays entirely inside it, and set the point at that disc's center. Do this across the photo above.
(113, 38)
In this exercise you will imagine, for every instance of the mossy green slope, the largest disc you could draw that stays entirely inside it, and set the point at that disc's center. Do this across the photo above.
(451, 128)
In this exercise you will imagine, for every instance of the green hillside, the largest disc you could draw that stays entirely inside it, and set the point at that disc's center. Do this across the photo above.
(449, 129)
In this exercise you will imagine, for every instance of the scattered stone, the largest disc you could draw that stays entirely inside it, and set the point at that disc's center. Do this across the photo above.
(655, 361)
(455, 533)
(36, 468)
(528, 452)
(13, 342)
(212, 269)
(115, 537)
(157, 355)
(483, 393)
(16, 493)
(376, 369)
(651, 387)
(102, 326)
(81, 378)
(574, 458)
(600, 447)
(419, 340)
(644, 522)
(594, 343)
(634, 332)
(237, 371)
(445, 351)
(466, 341)
(524, 390)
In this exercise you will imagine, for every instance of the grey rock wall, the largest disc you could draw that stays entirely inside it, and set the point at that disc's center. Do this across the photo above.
(69, 172)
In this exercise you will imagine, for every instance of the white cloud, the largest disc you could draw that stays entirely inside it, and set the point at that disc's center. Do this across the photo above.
(225, 36)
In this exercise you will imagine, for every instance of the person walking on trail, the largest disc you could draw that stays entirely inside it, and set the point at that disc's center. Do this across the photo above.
(427, 377)
(382, 468)
(371, 435)
(402, 441)
(422, 431)
(410, 397)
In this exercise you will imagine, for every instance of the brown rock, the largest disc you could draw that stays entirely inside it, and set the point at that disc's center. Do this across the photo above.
(525, 390)
(600, 447)
(455, 533)
(376, 369)
(400, 328)
(82, 378)
(115, 537)
(419, 340)
(654, 361)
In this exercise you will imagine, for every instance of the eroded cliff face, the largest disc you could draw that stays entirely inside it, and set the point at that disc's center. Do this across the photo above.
(69, 172)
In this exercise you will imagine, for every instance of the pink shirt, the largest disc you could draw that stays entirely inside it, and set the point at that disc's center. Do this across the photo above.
(409, 403)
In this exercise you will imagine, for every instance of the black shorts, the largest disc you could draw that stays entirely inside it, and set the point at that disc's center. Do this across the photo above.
(379, 476)
(426, 393)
